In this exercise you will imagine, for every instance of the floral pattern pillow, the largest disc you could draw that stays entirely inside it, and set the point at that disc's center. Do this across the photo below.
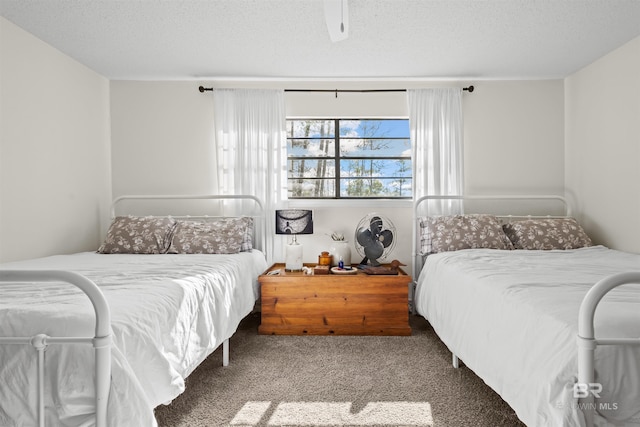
(218, 237)
(138, 235)
(455, 232)
(547, 234)
(247, 235)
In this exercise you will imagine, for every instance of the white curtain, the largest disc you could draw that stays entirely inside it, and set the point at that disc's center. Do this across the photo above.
(250, 144)
(435, 121)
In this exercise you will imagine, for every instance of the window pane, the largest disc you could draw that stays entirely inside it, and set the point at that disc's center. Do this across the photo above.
(375, 187)
(311, 188)
(311, 147)
(311, 129)
(374, 157)
(375, 128)
(311, 168)
(375, 148)
(375, 168)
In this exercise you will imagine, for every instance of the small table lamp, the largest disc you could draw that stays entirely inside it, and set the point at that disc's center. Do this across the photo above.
(294, 222)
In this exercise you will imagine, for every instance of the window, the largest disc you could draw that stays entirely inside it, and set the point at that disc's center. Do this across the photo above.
(348, 158)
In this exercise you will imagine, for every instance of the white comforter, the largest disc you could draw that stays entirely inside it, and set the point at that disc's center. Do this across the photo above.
(511, 317)
(169, 312)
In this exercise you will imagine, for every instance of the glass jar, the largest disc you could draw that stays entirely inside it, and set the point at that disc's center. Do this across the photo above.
(324, 258)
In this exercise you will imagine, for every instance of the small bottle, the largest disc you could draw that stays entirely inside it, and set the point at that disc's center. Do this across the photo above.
(341, 264)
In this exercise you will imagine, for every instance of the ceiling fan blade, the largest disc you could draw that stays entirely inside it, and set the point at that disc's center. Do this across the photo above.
(336, 15)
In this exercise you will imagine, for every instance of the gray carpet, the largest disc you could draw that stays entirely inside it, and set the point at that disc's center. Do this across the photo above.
(291, 380)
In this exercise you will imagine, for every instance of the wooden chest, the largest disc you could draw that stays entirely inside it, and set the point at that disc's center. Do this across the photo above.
(359, 304)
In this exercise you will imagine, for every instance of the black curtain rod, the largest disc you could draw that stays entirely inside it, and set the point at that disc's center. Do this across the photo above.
(469, 89)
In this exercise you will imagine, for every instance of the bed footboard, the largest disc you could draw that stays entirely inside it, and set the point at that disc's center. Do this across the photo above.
(101, 341)
(586, 388)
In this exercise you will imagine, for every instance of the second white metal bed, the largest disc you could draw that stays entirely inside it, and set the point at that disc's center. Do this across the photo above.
(513, 316)
(215, 291)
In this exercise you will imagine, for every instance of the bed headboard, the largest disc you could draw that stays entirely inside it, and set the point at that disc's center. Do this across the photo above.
(505, 207)
(196, 207)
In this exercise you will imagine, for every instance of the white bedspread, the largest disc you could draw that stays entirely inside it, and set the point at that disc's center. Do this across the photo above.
(169, 312)
(511, 317)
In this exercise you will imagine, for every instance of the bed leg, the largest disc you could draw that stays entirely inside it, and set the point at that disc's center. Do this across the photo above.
(39, 343)
(225, 352)
(455, 361)
(102, 350)
(586, 378)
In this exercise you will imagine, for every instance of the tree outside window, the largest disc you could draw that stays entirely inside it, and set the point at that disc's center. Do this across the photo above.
(364, 158)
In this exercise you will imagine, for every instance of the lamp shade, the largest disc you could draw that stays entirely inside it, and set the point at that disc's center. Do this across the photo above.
(294, 221)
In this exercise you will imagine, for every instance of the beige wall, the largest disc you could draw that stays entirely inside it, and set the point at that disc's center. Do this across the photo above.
(514, 138)
(67, 130)
(54, 150)
(602, 146)
(161, 137)
(162, 142)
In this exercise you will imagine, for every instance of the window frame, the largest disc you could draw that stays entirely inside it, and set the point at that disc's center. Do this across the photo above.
(337, 179)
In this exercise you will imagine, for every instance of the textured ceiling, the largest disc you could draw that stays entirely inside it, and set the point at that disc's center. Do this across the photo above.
(423, 39)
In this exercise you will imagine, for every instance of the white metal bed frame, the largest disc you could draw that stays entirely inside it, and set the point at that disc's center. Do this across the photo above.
(586, 340)
(417, 257)
(259, 237)
(256, 213)
(102, 339)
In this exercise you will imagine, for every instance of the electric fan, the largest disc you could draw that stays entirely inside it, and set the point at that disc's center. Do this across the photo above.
(375, 238)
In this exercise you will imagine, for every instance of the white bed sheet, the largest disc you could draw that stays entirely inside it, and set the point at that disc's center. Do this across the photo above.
(168, 312)
(511, 317)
